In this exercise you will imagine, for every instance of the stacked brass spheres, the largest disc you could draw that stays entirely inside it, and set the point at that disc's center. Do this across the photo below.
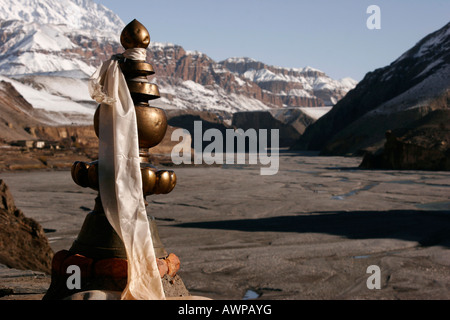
(151, 121)
(98, 250)
(152, 127)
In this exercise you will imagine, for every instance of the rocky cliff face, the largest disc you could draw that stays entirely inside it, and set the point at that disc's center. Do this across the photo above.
(16, 113)
(391, 98)
(291, 87)
(424, 147)
(236, 86)
(23, 244)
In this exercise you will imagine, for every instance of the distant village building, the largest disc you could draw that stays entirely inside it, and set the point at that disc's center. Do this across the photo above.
(39, 144)
(36, 144)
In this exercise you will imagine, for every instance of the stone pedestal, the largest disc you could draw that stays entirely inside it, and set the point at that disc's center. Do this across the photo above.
(106, 275)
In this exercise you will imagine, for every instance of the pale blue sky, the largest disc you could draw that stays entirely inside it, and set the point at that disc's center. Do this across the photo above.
(330, 35)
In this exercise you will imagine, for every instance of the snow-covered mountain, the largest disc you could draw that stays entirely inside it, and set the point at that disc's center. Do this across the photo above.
(75, 14)
(48, 49)
(42, 37)
(294, 86)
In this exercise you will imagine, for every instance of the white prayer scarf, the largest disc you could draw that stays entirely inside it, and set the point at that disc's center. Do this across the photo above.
(120, 180)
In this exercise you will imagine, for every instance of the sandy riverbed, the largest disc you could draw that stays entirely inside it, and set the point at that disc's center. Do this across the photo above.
(308, 232)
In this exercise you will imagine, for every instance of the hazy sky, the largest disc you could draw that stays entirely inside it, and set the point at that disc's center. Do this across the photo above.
(330, 35)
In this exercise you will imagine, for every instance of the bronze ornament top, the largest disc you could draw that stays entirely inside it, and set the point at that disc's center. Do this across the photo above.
(135, 35)
(151, 121)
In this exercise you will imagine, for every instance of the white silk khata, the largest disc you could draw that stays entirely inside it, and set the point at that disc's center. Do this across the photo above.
(120, 180)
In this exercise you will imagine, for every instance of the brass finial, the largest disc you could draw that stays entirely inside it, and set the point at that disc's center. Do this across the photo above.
(135, 35)
(98, 249)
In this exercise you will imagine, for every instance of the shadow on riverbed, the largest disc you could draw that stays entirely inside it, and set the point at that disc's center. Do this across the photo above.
(428, 228)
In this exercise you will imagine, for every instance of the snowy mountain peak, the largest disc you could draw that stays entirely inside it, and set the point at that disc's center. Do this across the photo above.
(76, 14)
(433, 44)
(295, 86)
(239, 60)
(52, 33)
